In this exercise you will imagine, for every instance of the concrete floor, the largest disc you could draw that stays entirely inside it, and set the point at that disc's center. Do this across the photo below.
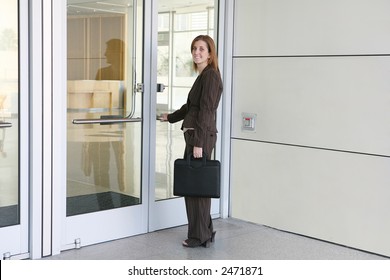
(235, 240)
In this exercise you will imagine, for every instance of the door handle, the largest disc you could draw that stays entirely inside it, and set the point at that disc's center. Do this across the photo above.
(160, 87)
(111, 119)
(5, 124)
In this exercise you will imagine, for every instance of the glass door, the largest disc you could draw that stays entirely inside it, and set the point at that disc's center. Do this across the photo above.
(104, 198)
(119, 156)
(13, 130)
(179, 22)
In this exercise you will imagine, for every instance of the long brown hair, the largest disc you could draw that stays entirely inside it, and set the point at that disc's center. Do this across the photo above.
(213, 60)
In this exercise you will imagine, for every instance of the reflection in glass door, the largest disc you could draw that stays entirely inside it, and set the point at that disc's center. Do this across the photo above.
(179, 22)
(13, 128)
(104, 123)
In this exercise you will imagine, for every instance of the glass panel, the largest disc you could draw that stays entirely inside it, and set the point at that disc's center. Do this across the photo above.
(191, 21)
(9, 115)
(179, 23)
(103, 161)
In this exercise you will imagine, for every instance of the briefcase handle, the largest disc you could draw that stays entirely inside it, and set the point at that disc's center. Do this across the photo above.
(191, 155)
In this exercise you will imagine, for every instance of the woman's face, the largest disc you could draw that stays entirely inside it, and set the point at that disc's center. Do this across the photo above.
(200, 54)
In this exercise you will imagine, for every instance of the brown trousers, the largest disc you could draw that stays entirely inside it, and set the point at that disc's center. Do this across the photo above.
(200, 224)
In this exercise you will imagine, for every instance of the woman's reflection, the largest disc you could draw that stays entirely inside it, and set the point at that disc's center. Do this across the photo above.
(114, 56)
(99, 152)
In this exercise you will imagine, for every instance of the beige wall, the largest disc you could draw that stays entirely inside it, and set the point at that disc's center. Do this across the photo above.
(317, 76)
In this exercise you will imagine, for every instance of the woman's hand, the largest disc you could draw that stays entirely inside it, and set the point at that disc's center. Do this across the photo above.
(164, 117)
(197, 152)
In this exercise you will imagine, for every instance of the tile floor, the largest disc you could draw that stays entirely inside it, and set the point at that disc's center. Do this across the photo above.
(235, 240)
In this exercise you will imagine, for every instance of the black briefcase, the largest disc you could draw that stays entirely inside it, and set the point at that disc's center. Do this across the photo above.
(197, 177)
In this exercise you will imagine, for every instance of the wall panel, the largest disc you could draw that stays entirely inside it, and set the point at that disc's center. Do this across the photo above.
(338, 197)
(307, 27)
(335, 102)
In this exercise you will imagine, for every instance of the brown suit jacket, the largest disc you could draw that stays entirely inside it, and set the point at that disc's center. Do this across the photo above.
(200, 110)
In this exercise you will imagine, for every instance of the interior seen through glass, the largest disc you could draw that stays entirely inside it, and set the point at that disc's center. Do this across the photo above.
(9, 115)
(177, 27)
(103, 160)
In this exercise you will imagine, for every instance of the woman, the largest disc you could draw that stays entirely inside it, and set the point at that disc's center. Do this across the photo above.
(199, 127)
